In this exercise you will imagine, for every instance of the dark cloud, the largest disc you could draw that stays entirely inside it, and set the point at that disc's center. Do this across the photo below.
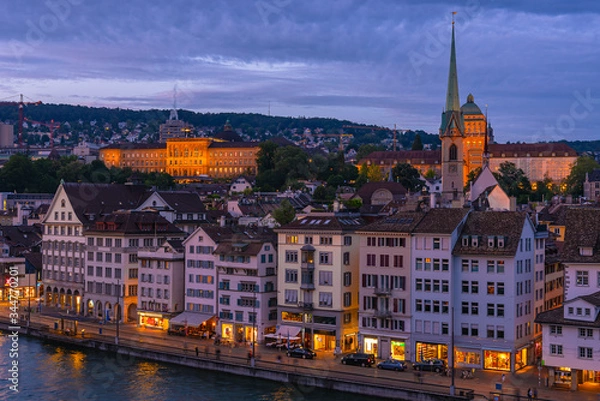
(373, 61)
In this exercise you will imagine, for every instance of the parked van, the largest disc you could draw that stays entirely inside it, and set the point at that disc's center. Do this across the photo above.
(359, 359)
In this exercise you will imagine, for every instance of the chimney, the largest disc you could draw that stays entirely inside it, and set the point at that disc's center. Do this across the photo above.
(222, 221)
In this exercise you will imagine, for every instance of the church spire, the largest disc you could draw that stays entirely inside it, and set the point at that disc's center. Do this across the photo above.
(452, 99)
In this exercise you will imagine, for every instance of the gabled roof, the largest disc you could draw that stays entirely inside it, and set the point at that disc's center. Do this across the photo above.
(582, 231)
(556, 149)
(183, 201)
(557, 316)
(508, 225)
(441, 221)
(99, 199)
(403, 222)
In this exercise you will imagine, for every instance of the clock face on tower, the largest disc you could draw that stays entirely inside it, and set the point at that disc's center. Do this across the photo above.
(452, 169)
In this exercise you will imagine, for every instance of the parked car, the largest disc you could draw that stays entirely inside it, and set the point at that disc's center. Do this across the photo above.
(392, 364)
(359, 359)
(301, 352)
(430, 365)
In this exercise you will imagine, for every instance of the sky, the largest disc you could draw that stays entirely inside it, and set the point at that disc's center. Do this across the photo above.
(535, 64)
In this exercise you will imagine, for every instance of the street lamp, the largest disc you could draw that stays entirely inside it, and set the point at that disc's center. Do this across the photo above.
(117, 312)
(253, 359)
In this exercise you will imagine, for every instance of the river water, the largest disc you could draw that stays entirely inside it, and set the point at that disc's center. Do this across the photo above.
(50, 372)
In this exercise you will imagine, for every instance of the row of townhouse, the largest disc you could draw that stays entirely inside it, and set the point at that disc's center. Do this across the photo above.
(400, 286)
(571, 332)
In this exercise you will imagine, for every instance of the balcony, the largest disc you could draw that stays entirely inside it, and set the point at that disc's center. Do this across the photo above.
(306, 305)
(384, 314)
(307, 286)
(307, 265)
(382, 291)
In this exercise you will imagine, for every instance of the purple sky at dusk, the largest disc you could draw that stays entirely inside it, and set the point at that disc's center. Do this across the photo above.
(385, 62)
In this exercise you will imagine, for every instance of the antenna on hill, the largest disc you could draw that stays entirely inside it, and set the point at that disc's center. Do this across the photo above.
(173, 115)
(269, 111)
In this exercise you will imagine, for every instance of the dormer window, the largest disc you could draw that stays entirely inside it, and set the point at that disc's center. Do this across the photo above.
(501, 242)
(465, 240)
(491, 241)
(586, 251)
(474, 240)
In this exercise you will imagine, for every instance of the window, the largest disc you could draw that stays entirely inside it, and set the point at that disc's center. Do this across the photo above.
(453, 152)
(474, 266)
(326, 278)
(419, 305)
(108, 272)
(399, 262)
(90, 270)
(291, 239)
(117, 258)
(347, 299)
(346, 258)
(500, 310)
(556, 330)
(582, 278)
(474, 308)
(500, 266)
(500, 288)
(418, 264)
(465, 308)
(325, 299)
(371, 259)
(325, 258)
(436, 243)
(585, 352)
(291, 276)
(491, 266)
(474, 287)
(384, 260)
(588, 333)
(98, 271)
(325, 240)
(490, 288)
(419, 284)
(347, 240)
(490, 309)
(118, 273)
(347, 279)
(556, 349)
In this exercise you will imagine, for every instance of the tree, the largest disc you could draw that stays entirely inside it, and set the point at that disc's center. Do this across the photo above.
(374, 173)
(408, 176)
(265, 157)
(473, 174)
(417, 144)
(513, 181)
(366, 149)
(285, 213)
(575, 179)
(18, 175)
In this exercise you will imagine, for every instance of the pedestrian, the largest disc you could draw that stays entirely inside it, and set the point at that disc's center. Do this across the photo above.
(197, 352)
(503, 378)
(529, 394)
(535, 394)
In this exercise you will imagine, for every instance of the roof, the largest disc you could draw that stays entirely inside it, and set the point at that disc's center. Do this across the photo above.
(21, 236)
(557, 316)
(413, 157)
(99, 199)
(508, 225)
(366, 191)
(325, 222)
(225, 145)
(183, 201)
(581, 231)
(551, 149)
(134, 146)
(441, 221)
(403, 222)
(133, 222)
(228, 134)
(470, 107)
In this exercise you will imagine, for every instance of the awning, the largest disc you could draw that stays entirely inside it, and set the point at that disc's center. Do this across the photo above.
(284, 332)
(191, 318)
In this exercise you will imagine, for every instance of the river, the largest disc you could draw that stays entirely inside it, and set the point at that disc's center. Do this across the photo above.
(50, 372)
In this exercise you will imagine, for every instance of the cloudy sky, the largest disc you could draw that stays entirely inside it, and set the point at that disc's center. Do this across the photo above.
(536, 64)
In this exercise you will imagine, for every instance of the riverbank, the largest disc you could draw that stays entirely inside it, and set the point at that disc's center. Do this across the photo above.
(299, 373)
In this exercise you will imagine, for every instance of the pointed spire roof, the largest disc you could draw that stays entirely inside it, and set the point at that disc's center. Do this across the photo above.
(452, 99)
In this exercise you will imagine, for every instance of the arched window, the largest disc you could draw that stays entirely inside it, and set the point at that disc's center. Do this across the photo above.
(453, 152)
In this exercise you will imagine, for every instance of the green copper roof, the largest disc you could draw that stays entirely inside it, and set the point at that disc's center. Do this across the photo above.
(452, 100)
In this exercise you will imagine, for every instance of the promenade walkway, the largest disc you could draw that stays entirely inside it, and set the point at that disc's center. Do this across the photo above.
(326, 364)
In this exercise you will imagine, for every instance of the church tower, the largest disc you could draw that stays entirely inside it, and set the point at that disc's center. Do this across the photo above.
(452, 134)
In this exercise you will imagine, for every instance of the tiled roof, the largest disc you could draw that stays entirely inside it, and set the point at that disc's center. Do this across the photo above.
(220, 145)
(403, 222)
(581, 231)
(508, 225)
(131, 222)
(100, 199)
(183, 201)
(441, 221)
(366, 191)
(557, 316)
(325, 222)
(133, 146)
(497, 150)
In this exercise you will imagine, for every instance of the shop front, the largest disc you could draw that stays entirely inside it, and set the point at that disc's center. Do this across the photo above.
(323, 340)
(521, 358)
(370, 345)
(467, 357)
(431, 351)
(153, 320)
(398, 349)
(496, 360)
(191, 324)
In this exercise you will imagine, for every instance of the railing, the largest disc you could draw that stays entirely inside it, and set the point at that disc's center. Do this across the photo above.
(306, 305)
(307, 286)
(382, 291)
(383, 314)
(307, 265)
